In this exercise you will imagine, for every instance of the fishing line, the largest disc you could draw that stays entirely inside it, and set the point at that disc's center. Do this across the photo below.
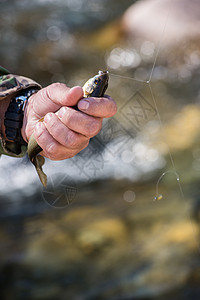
(173, 171)
(150, 79)
(156, 56)
(161, 125)
(126, 77)
(158, 195)
(159, 45)
(169, 151)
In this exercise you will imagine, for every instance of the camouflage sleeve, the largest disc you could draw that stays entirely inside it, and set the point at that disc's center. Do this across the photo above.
(11, 84)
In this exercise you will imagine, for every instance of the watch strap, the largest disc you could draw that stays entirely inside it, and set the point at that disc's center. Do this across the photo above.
(14, 116)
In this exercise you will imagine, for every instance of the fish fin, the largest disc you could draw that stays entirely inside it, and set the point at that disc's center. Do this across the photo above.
(38, 162)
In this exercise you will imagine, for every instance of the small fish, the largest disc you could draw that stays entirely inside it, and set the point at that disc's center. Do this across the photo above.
(97, 85)
(94, 87)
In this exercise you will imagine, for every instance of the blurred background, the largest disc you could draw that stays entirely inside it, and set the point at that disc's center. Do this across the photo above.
(120, 220)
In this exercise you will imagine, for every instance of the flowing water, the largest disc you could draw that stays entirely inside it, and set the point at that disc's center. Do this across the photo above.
(121, 219)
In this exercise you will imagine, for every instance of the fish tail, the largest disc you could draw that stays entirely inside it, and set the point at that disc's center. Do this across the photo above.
(38, 162)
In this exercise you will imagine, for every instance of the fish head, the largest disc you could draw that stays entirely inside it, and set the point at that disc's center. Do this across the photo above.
(97, 85)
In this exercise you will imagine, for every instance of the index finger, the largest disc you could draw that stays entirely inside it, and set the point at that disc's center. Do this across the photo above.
(102, 107)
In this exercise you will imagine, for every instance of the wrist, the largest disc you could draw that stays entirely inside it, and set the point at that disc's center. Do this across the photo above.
(24, 129)
(14, 115)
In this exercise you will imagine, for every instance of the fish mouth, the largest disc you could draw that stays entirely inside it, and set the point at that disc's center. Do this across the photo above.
(104, 85)
(103, 73)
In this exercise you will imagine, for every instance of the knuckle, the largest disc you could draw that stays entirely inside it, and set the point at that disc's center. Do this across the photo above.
(51, 149)
(82, 146)
(44, 95)
(39, 133)
(51, 121)
(49, 91)
(94, 127)
(72, 140)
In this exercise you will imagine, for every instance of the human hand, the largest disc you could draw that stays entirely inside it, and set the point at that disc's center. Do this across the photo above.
(65, 131)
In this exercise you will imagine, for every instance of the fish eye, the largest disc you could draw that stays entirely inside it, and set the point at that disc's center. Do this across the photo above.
(97, 80)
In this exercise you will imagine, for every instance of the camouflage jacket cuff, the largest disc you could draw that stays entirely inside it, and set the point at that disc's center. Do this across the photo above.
(10, 85)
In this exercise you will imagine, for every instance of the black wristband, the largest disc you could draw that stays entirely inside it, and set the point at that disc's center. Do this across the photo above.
(14, 116)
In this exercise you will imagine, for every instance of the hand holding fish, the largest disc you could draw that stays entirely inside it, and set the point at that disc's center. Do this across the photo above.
(65, 131)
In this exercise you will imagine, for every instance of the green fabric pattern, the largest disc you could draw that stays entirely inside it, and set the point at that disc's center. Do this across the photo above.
(11, 84)
(3, 71)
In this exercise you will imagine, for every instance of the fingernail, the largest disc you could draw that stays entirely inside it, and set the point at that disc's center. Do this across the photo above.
(61, 112)
(83, 104)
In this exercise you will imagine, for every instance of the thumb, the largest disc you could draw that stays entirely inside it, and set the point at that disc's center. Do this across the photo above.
(51, 98)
